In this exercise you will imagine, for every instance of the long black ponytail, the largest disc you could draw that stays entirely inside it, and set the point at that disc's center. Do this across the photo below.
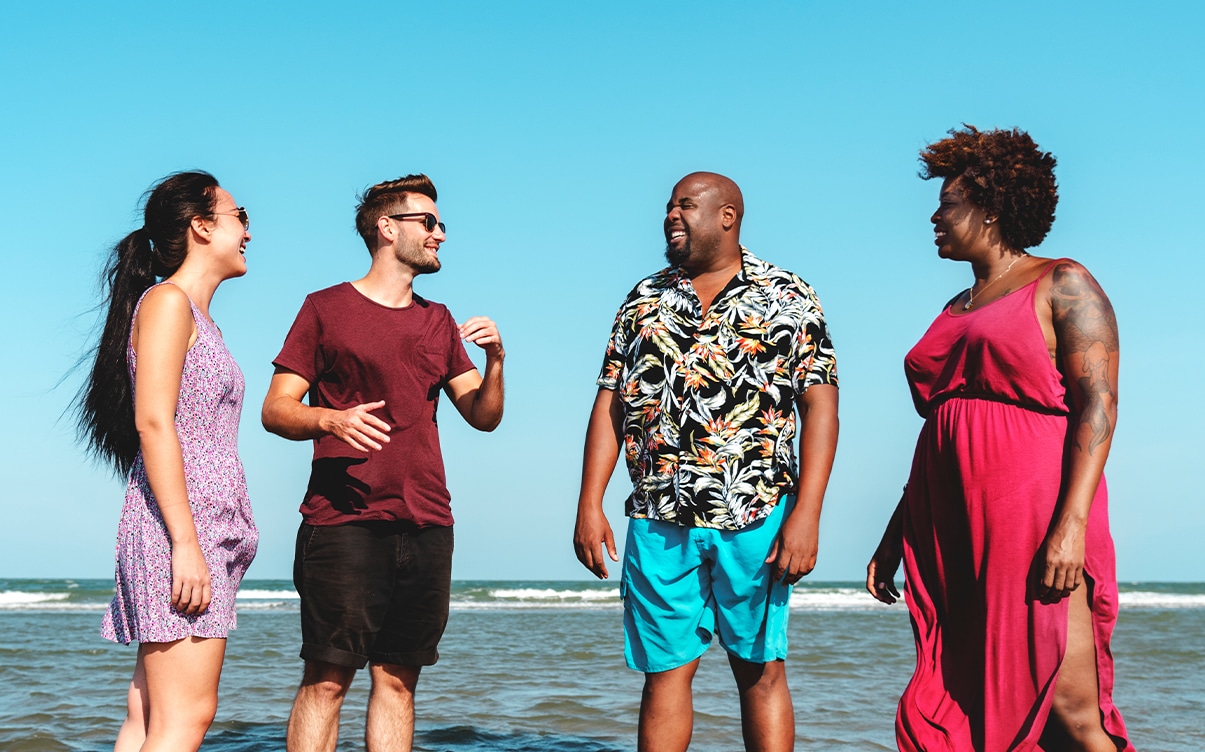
(105, 404)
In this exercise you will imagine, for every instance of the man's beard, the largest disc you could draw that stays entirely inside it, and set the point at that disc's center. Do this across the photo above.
(679, 256)
(675, 256)
(419, 259)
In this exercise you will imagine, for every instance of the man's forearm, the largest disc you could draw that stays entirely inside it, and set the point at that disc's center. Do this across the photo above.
(290, 419)
(489, 400)
(819, 428)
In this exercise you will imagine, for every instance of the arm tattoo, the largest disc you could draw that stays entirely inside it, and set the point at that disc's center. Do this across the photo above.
(1096, 389)
(1087, 332)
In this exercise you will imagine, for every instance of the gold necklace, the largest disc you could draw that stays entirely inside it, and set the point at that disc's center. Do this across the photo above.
(971, 292)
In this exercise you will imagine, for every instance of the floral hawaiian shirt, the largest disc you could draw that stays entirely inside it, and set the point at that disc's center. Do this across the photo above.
(709, 401)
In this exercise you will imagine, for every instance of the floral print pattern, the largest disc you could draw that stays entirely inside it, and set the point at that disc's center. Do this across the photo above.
(207, 420)
(709, 400)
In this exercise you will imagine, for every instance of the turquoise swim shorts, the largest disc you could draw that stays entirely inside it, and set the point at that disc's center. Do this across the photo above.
(681, 585)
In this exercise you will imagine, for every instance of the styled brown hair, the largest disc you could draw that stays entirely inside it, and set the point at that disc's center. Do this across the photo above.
(1004, 173)
(383, 199)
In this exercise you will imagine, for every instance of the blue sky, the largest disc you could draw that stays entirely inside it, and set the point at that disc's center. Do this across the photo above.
(554, 132)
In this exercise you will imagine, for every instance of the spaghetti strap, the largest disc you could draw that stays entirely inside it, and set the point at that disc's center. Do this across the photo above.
(1051, 265)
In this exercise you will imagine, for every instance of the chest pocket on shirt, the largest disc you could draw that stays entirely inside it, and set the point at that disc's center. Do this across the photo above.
(419, 372)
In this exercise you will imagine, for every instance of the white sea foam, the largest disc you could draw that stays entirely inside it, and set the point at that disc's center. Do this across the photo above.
(275, 595)
(833, 599)
(537, 598)
(1143, 599)
(20, 599)
(855, 599)
(549, 594)
(566, 597)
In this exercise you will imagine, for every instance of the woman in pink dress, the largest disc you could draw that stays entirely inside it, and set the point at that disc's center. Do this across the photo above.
(1009, 571)
(162, 405)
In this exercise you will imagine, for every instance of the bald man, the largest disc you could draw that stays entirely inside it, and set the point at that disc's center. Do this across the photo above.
(708, 364)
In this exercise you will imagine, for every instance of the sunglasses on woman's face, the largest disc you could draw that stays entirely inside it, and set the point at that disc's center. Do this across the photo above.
(241, 213)
(428, 219)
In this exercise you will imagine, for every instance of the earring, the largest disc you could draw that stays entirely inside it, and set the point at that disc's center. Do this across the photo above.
(987, 221)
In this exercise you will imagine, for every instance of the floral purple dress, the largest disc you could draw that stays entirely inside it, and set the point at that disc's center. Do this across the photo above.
(207, 419)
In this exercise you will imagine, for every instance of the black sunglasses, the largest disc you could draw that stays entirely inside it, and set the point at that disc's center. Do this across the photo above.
(429, 220)
(241, 213)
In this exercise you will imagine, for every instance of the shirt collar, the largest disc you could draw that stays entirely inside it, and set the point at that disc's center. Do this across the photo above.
(751, 270)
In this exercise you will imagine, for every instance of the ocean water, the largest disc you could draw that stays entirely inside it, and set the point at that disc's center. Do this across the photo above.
(538, 667)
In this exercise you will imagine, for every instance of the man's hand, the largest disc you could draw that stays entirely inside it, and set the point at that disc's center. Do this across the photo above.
(483, 332)
(284, 415)
(357, 426)
(794, 551)
(593, 533)
(590, 537)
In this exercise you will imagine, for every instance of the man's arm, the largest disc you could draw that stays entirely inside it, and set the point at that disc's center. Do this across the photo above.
(478, 399)
(603, 436)
(284, 414)
(794, 552)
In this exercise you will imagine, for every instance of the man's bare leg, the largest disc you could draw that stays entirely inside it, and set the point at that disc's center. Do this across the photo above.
(667, 711)
(767, 716)
(314, 722)
(390, 725)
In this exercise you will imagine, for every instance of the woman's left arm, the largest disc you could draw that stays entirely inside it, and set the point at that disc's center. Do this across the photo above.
(1087, 353)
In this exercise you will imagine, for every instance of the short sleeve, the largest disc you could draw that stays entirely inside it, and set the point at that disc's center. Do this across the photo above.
(812, 355)
(617, 346)
(458, 359)
(301, 351)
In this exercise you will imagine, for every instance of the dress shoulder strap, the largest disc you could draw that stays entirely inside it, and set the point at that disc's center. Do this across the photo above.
(1051, 266)
(137, 306)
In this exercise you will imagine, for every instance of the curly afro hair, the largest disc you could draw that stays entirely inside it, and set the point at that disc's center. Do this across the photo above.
(1004, 173)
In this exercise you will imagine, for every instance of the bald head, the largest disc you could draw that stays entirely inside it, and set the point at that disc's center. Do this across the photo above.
(719, 188)
(703, 222)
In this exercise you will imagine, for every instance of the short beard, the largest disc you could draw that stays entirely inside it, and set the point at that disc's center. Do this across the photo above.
(677, 256)
(417, 258)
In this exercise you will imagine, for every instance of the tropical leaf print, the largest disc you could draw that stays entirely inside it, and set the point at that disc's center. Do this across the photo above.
(709, 400)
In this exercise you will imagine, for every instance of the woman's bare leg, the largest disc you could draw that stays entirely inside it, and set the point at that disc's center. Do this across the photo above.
(181, 691)
(133, 729)
(1075, 721)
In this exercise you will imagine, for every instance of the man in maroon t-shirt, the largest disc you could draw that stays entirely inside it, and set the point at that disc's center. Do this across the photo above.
(373, 563)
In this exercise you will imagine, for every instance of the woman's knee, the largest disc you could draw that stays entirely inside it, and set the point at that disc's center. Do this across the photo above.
(1077, 713)
(136, 705)
(181, 725)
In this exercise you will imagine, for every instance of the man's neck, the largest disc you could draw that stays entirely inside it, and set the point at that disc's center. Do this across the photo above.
(392, 287)
(711, 280)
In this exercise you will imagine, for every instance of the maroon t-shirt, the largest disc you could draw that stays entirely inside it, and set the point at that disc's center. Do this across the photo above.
(354, 351)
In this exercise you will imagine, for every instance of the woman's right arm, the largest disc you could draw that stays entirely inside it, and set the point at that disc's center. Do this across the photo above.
(880, 572)
(163, 332)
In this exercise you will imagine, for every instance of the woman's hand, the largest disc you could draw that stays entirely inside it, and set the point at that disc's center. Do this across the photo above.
(880, 572)
(1061, 562)
(190, 579)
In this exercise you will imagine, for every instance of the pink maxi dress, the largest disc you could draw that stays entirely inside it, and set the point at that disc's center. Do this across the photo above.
(982, 492)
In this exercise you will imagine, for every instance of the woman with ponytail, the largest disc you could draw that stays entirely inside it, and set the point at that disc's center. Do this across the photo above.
(162, 405)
